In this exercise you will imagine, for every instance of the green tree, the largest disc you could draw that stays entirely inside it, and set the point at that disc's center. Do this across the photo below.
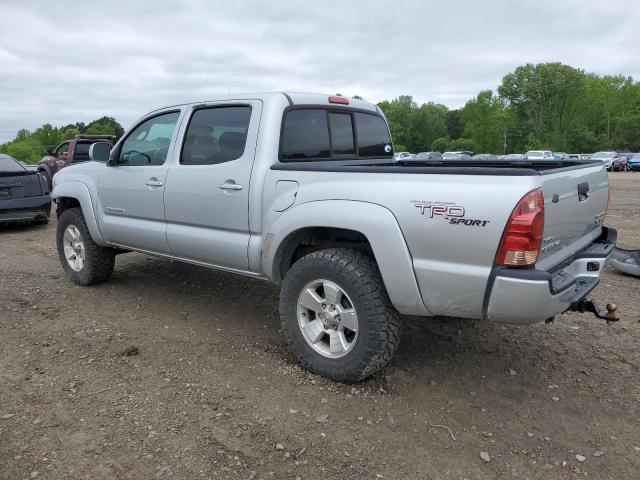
(485, 123)
(441, 144)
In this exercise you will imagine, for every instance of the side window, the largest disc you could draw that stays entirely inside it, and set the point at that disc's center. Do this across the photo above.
(216, 135)
(342, 134)
(373, 136)
(62, 149)
(305, 134)
(148, 143)
(81, 152)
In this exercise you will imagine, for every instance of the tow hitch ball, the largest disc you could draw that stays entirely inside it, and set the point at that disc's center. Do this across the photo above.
(609, 315)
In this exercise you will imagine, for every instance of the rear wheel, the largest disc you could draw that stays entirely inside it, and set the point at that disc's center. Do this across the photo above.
(336, 315)
(84, 262)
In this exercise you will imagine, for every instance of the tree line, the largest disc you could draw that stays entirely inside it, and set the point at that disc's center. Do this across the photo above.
(547, 106)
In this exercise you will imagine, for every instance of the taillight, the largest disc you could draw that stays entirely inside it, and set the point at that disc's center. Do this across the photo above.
(339, 100)
(522, 237)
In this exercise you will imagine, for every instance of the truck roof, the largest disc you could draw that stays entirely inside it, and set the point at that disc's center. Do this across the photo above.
(294, 98)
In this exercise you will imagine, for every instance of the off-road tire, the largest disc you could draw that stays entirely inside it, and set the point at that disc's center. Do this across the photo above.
(99, 261)
(378, 321)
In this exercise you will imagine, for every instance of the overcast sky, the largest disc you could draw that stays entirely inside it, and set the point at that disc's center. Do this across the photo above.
(64, 61)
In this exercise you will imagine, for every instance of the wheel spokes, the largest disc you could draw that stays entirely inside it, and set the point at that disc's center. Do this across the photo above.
(310, 300)
(314, 331)
(332, 293)
(337, 342)
(348, 318)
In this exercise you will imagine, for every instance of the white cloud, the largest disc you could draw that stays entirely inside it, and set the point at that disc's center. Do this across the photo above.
(63, 62)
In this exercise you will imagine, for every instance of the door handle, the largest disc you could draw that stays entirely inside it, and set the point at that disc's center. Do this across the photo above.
(231, 186)
(154, 182)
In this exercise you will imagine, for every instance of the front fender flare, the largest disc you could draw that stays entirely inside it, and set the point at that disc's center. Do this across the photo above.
(375, 222)
(80, 192)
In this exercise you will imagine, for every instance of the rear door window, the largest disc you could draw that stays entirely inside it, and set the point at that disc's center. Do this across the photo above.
(216, 135)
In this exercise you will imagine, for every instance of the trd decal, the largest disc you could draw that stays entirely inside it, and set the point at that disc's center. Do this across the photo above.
(449, 212)
(445, 211)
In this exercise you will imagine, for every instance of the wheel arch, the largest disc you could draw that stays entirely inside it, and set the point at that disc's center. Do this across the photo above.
(352, 224)
(76, 194)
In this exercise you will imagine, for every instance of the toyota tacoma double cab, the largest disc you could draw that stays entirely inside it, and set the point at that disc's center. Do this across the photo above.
(67, 153)
(302, 190)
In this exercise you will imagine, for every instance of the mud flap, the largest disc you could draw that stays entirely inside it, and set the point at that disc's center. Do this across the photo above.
(626, 261)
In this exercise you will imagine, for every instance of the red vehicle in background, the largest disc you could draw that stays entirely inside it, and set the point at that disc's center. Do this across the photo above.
(69, 152)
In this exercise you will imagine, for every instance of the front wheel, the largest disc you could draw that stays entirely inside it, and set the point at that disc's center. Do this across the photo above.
(84, 262)
(336, 315)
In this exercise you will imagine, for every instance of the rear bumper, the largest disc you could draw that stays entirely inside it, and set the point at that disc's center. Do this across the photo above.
(25, 209)
(525, 296)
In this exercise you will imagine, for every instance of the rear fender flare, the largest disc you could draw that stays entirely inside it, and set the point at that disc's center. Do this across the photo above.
(80, 192)
(375, 222)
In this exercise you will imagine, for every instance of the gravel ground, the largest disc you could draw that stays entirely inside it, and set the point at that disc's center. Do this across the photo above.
(176, 371)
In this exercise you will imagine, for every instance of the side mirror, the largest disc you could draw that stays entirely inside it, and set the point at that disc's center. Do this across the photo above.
(99, 152)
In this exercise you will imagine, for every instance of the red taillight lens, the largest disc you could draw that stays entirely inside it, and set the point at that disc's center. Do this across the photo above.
(522, 236)
(339, 100)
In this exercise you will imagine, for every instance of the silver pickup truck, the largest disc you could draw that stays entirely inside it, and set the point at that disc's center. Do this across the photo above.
(303, 190)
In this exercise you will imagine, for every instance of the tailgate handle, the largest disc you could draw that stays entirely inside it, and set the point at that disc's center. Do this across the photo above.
(583, 191)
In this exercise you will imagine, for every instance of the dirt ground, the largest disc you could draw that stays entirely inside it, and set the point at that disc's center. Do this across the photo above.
(212, 392)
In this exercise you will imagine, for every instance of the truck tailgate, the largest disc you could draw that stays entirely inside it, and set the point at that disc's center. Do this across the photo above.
(575, 201)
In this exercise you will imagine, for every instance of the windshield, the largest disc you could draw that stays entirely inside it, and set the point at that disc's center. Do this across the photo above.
(10, 164)
(635, 156)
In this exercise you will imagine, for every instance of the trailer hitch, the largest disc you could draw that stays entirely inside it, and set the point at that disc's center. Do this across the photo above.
(583, 305)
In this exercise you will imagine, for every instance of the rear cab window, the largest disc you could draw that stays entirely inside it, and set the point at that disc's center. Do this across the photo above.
(321, 133)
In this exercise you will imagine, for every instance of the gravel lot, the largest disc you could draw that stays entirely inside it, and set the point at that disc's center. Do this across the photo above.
(212, 393)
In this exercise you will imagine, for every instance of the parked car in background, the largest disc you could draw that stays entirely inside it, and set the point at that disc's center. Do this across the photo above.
(624, 160)
(402, 155)
(485, 156)
(512, 156)
(428, 156)
(560, 155)
(461, 155)
(539, 155)
(610, 159)
(633, 164)
(24, 195)
(69, 152)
